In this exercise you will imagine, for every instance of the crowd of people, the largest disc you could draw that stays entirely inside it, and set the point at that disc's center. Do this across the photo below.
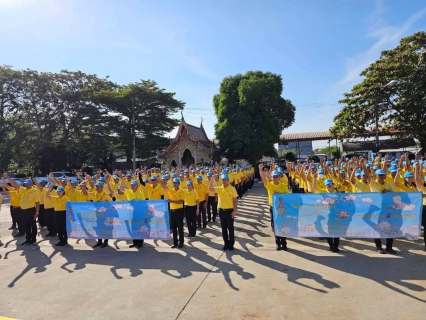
(356, 174)
(197, 194)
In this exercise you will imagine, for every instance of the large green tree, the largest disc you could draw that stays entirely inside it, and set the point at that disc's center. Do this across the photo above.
(394, 86)
(251, 114)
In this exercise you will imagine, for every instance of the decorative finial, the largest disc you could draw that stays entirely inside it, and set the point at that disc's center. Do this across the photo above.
(201, 121)
(181, 113)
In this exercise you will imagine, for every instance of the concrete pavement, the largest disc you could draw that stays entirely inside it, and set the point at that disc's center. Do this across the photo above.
(200, 281)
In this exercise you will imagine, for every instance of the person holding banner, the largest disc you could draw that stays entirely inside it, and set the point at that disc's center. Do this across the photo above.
(380, 185)
(421, 185)
(100, 196)
(60, 207)
(176, 200)
(134, 194)
(227, 196)
(329, 185)
(273, 187)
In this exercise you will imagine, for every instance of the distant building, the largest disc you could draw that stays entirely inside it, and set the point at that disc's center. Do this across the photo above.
(302, 148)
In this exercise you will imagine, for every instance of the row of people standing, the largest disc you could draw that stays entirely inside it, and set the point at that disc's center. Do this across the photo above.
(37, 199)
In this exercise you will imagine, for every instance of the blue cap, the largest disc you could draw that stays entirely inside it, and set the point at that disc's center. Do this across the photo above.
(328, 162)
(145, 180)
(134, 183)
(358, 173)
(197, 168)
(102, 179)
(49, 184)
(165, 177)
(129, 175)
(20, 183)
(199, 177)
(43, 181)
(174, 175)
(375, 168)
(327, 182)
(380, 172)
(94, 176)
(74, 181)
(342, 171)
(314, 166)
(58, 189)
(280, 169)
(392, 170)
(362, 173)
(154, 178)
(99, 184)
(408, 175)
(368, 165)
(189, 183)
(116, 178)
(186, 171)
(176, 180)
(63, 179)
(225, 177)
(28, 181)
(275, 173)
(321, 171)
(209, 174)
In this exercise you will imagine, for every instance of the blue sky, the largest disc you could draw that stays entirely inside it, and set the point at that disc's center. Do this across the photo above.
(188, 46)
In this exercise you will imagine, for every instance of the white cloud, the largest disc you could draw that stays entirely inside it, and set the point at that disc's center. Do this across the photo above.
(387, 38)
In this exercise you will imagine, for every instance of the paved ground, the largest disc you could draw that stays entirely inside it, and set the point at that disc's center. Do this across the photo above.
(200, 281)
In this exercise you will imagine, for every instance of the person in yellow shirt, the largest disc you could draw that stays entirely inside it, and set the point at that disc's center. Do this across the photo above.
(60, 207)
(227, 196)
(273, 187)
(176, 200)
(30, 206)
(15, 207)
(421, 186)
(192, 208)
(408, 185)
(134, 194)
(203, 193)
(154, 191)
(211, 200)
(100, 196)
(49, 212)
(332, 242)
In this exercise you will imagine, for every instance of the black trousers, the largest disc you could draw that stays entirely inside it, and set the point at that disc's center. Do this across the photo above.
(49, 220)
(227, 223)
(424, 224)
(41, 216)
(30, 226)
(211, 206)
(138, 242)
(17, 217)
(238, 189)
(389, 243)
(12, 216)
(191, 217)
(333, 242)
(61, 225)
(176, 218)
(202, 214)
(279, 241)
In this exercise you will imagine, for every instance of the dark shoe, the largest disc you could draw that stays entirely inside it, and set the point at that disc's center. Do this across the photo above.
(380, 250)
(104, 245)
(98, 244)
(18, 235)
(180, 245)
(133, 245)
(231, 248)
(336, 250)
(188, 237)
(174, 246)
(199, 226)
(278, 248)
(50, 234)
(12, 228)
(59, 244)
(204, 226)
(25, 243)
(390, 250)
(225, 247)
(140, 244)
(285, 247)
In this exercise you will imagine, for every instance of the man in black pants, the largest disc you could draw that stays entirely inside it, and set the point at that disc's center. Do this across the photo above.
(227, 196)
(211, 202)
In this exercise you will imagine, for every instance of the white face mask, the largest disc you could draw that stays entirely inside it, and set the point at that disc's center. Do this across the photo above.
(321, 176)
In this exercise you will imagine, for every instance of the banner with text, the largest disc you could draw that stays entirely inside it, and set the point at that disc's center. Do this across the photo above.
(348, 215)
(118, 220)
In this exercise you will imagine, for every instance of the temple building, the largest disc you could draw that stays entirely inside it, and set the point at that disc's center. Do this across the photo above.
(190, 146)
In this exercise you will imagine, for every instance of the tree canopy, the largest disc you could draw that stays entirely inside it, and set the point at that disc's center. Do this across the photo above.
(394, 86)
(57, 121)
(251, 114)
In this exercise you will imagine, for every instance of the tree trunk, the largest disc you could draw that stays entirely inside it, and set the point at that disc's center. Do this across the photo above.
(423, 145)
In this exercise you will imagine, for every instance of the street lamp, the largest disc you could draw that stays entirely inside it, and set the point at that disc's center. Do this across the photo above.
(391, 83)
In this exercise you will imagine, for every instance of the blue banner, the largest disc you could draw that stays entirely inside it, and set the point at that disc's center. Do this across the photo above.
(118, 220)
(348, 215)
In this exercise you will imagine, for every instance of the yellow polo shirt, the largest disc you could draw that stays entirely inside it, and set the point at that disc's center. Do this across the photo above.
(100, 196)
(60, 204)
(275, 188)
(29, 197)
(48, 203)
(15, 199)
(191, 197)
(120, 197)
(131, 195)
(203, 191)
(154, 193)
(226, 196)
(176, 195)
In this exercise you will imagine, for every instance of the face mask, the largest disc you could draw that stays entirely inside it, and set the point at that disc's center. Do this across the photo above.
(321, 176)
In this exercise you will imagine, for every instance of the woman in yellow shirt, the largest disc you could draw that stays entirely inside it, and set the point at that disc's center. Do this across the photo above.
(192, 209)
(408, 185)
(60, 207)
